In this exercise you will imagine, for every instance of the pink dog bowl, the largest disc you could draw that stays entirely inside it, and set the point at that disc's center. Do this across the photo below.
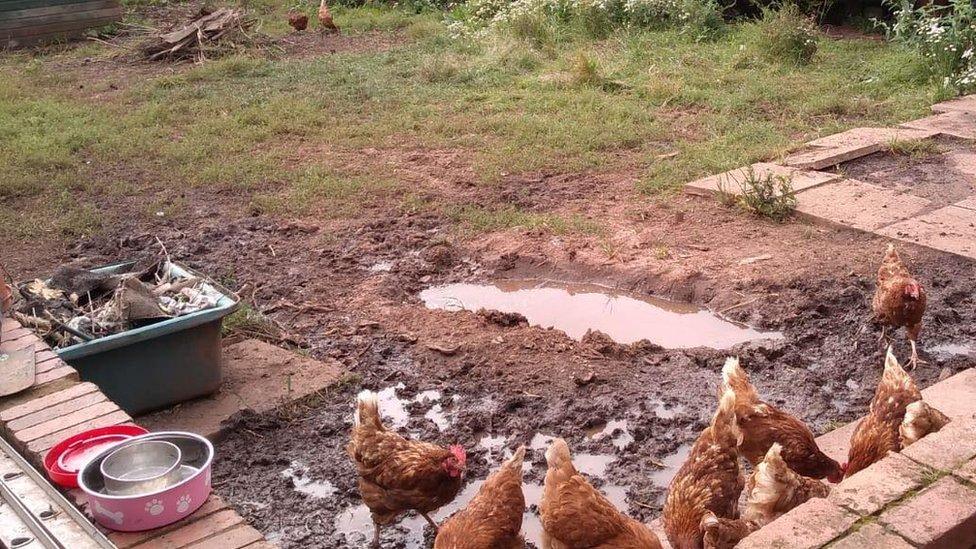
(133, 513)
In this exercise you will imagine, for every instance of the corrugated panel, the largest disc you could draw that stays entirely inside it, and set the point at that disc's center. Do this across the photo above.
(33, 13)
(45, 20)
(13, 5)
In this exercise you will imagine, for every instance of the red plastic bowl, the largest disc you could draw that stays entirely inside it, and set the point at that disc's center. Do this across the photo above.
(69, 456)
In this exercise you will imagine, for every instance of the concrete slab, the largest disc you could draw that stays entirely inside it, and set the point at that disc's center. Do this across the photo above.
(853, 203)
(963, 162)
(258, 376)
(966, 103)
(969, 203)
(955, 123)
(951, 229)
(842, 147)
(732, 180)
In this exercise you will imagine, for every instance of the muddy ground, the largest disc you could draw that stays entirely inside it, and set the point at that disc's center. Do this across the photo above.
(347, 289)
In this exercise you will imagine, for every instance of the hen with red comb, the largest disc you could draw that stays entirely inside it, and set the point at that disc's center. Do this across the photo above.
(397, 474)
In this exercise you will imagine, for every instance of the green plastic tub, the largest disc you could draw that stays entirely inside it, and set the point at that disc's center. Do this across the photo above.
(159, 365)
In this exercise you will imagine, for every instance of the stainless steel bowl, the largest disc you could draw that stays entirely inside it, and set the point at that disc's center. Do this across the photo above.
(142, 467)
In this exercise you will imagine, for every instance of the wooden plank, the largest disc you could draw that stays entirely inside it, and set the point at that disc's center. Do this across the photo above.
(93, 5)
(15, 5)
(58, 19)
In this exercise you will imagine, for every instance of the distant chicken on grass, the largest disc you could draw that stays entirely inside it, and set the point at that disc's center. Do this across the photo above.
(763, 425)
(703, 500)
(576, 515)
(297, 20)
(325, 18)
(899, 300)
(774, 489)
(396, 474)
(493, 518)
(888, 421)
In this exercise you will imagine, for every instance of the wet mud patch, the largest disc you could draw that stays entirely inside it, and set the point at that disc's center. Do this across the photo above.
(629, 412)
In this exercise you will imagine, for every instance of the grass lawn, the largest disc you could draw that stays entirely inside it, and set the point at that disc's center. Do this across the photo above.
(653, 103)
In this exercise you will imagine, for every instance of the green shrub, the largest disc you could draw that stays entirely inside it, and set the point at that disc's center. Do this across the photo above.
(787, 35)
(944, 35)
(766, 195)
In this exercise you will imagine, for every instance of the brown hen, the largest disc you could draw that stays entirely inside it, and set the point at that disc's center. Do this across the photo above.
(878, 433)
(325, 18)
(763, 424)
(899, 300)
(396, 474)
(493, 518)
(576, 516)
(774, 489)
(297, 20)
(709, 480)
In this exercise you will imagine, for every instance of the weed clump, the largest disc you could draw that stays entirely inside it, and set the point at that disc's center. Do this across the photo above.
(767, 195)
(787, 35)
(914, 148)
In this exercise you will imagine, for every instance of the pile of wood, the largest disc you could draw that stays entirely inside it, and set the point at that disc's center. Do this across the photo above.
(203, 34)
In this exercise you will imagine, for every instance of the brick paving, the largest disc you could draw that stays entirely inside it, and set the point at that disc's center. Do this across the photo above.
(59, 405)
(831, 198)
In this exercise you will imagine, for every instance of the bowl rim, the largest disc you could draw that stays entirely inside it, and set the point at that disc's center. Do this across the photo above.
(68, 478)
(129, 444)
(148, 436)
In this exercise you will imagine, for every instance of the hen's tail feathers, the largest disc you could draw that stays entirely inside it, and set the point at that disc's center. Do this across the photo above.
(558, 456)
(736, 378)
(766, 481)
(920, 420)
(709, 521)
(896, 377)
(724, 426)
(515, 462)
(891, 254)
(367, 410)
(774, 458)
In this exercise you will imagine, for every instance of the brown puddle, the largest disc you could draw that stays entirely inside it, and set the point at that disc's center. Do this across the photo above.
(577, 308)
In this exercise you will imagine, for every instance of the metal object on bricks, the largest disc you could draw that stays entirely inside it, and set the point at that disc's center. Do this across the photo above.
(33, 514)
